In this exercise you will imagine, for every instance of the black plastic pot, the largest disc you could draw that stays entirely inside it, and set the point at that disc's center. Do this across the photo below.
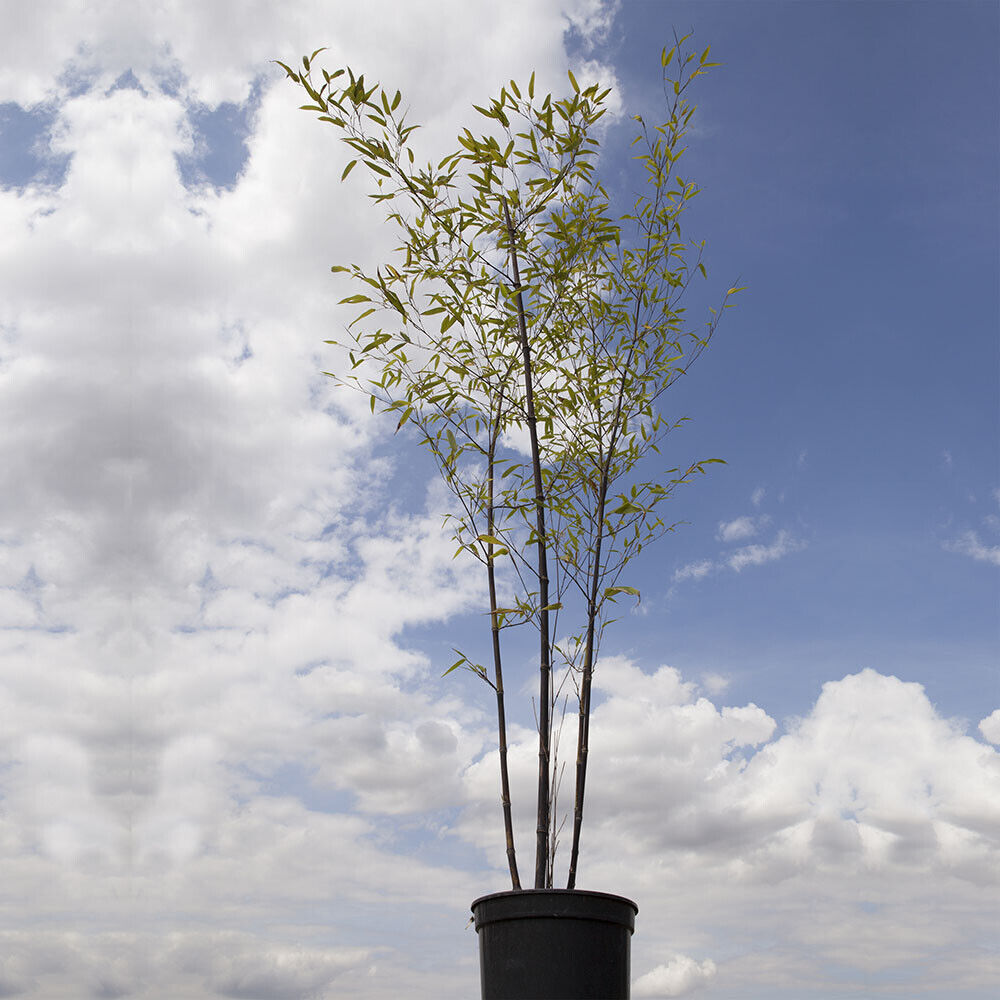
(555, 944)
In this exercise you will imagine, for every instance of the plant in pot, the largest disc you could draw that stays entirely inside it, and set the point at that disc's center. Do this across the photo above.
(527, 335)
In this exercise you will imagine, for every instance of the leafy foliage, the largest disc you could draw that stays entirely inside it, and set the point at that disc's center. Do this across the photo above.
(519, 309)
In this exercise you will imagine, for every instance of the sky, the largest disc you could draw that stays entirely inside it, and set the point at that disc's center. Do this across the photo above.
(229, 764)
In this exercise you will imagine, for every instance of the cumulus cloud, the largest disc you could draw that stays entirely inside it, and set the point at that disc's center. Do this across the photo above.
(990, 727)
(206, 572)
(679, 977)
(862, 819)
(917, 807)
(224, 773)
(861, 824)
(238, 968)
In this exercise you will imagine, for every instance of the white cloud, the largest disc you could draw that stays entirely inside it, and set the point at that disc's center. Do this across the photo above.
(861, 820)
(861, 825)
(715, 684)
(237, 966)
(591, 20)
(738, 529)
(757, 555)
(679, 977)
(205, 580)
(693, 571)
(226, 769)
(757, 496)
(990, 727)
(969, 544)
(739, 559)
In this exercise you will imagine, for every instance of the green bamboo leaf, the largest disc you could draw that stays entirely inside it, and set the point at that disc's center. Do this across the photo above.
(461, 661)
(393, 300)
(361, 316)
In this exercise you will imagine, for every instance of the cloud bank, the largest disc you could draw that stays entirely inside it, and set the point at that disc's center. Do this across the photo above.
(226, 768)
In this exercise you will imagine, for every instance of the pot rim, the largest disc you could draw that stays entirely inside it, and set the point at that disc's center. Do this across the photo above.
(556, 892)
(554, 904)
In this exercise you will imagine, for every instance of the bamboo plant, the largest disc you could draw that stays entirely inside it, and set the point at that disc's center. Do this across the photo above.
(527, 334)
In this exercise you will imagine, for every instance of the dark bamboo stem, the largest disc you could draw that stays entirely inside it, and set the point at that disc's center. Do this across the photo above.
(508, 825)
(545, 665)
(583, 729)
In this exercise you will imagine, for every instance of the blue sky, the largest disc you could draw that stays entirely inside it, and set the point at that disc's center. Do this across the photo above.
(849, 177)
(229, 766)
